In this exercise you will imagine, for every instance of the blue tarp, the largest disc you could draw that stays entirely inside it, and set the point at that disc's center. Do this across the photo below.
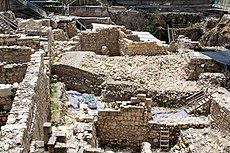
(222, 57)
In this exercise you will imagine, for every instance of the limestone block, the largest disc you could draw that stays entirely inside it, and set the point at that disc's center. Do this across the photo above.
(5, 90)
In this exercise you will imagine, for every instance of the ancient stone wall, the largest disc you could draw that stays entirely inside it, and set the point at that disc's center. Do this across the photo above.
(129, 47)
(124, 90)
(89, 11)
(119, 90)
(94, 41)
(220, 111)
(11, 73)
(194, 33)
(170, 98)
(200, 63)
(78, 79)
(5, 106)
(29, 109)
(15, 54)
(20, 40)
(132, 124)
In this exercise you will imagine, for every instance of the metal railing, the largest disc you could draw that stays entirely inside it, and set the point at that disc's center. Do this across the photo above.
(33, 7)
(8, 21)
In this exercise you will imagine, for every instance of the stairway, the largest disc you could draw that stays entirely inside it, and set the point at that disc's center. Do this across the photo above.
(196, 101)
(164, 138)
(33, 7)
(7, 25)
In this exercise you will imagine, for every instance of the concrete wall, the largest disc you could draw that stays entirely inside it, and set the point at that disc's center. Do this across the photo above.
(96, 11)
(84, 11)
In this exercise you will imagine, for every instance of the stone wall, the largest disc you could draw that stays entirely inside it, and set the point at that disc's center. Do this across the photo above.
(200, 63)
(94, 41)
(124, 90)
(132, 124)
(7, 93)
(78, 79)
(194, 33)
(119, 90)
(20, 40)
(11, 73)
(29, 109)
(130, 47)
(5, 106)
(89, 11)
(220, 111)
(15, 54)
(170, 98)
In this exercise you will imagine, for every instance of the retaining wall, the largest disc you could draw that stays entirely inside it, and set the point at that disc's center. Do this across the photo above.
(78, 79)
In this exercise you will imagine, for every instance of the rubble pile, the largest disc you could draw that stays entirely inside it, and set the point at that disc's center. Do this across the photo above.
(151, 72)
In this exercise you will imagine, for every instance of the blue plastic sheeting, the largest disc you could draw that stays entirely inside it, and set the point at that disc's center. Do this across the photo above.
(222, 57)
(181, 113)
(76, 98)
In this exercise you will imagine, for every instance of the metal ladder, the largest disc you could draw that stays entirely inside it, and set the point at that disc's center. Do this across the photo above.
(164, 138)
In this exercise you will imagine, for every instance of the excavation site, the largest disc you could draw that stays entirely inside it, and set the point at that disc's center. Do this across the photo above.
(115, 76)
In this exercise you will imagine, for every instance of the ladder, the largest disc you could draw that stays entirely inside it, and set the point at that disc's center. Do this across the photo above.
(164, 138)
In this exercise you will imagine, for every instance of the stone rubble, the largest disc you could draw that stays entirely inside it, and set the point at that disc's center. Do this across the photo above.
(150, 72)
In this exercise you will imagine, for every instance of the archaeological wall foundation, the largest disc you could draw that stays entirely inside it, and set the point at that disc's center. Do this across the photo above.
(132, 123)
(24, 100)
